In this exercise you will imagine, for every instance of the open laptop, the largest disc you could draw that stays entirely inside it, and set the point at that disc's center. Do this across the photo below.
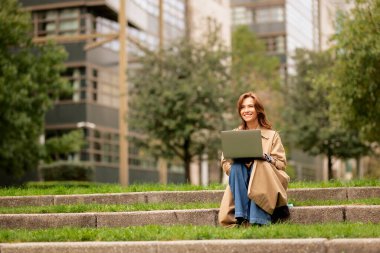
(242, 144)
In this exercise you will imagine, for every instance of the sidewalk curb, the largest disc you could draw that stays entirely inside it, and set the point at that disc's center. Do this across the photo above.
(317, 245)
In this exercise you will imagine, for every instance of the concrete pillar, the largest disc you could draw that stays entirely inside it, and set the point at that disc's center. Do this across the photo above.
(163, 170)
(204, 170)
(194, 172)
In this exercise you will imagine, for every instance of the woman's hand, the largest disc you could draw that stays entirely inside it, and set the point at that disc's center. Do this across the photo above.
(268, 158)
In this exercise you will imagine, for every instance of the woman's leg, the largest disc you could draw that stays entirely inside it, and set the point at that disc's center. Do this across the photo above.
(238, 181)
(256, 214)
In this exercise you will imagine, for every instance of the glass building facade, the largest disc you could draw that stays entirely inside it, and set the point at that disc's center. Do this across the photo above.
(93, 74)
(283, 25)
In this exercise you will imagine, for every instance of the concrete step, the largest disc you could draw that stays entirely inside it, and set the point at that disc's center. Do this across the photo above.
(300, 215)
(342, 193)
(316, 245)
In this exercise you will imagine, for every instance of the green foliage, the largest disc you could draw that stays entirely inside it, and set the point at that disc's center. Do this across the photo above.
(356, 101)
(252, 67)
(254, 70)
(29, 82)
(68, 143)
(61, 171)
(179, 97)
(310, 122)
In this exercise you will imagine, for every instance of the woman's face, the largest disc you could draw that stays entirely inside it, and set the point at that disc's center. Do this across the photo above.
(248, 111)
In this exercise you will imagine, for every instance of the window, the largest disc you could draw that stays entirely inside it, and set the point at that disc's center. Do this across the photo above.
(76, 77)
(269, 15)
(241, 16)
(92, 84)
(279, 44)
(59, 22)
(275, 44)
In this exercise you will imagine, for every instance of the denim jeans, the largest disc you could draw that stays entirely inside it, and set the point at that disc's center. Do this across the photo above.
(245, 207)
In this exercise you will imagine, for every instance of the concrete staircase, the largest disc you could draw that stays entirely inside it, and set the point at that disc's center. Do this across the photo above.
(317, 245)
(300, 215)
(341, 193)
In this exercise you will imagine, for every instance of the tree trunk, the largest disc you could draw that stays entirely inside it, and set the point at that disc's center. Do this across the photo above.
(187, 172)
(359, 172)
(329, 165)
(187, 159)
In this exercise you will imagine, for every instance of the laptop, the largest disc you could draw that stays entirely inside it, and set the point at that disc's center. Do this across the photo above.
(242, 144)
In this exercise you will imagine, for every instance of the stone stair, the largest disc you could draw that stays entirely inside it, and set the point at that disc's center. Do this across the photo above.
(342, 193)
(299, 215)
(316, 245)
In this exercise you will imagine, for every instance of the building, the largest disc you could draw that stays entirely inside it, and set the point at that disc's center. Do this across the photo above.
(88, 30)
(205, 13)
(284, 25)
(329, 12)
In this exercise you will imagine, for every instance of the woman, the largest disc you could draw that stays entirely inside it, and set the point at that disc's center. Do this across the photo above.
(256, 193)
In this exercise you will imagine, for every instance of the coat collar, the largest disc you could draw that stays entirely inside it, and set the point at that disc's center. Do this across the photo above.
(266, 133)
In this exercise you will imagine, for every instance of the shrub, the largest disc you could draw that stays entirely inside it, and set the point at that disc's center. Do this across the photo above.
(63, 171)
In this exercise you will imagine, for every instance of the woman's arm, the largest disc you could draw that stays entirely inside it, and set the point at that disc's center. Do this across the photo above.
(278, 153)
(225, 164)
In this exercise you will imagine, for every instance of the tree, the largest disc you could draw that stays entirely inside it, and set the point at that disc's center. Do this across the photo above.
(252, 67)
(179, 97)
(29, 82)
(356, 102)
(57, 148)
(311, 125)
(254, 70)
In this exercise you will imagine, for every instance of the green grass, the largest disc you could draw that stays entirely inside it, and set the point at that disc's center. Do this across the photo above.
(81, 208)
(68, 188)
(164, 233)
(330, 202)
(64, 188)
(335, 183)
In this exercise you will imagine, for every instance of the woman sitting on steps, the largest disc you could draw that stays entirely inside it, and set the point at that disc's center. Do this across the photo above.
(256, 193)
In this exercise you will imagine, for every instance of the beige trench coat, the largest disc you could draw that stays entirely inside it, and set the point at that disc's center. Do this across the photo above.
(268, 182)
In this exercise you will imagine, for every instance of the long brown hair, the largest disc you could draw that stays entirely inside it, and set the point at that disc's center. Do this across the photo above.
(263, 122)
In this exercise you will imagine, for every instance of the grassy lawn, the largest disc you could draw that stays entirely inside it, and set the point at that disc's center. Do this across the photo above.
(335, 183)
(318, 202)
(82, 208)
(161, 233)
(63, 188)
(88, 188)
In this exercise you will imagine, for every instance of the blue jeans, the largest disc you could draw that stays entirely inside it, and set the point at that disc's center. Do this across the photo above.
(245, 207)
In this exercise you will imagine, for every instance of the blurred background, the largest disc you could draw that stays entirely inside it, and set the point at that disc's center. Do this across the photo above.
(135, 91)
